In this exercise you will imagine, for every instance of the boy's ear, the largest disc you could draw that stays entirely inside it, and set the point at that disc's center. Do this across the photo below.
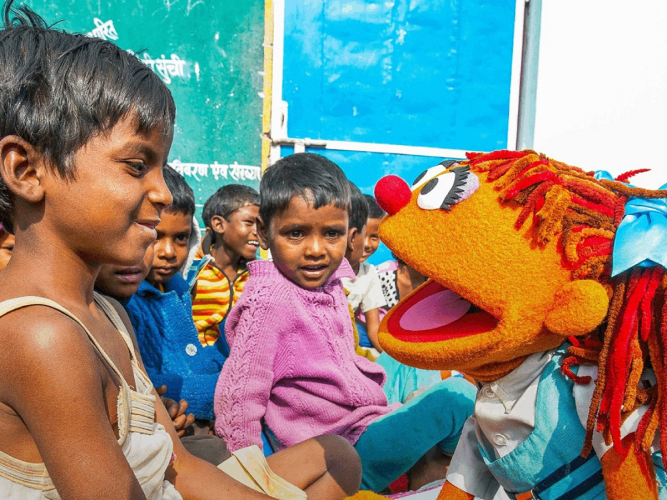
(263, 234)
(218, 224)
(352, 234)
(23, 169)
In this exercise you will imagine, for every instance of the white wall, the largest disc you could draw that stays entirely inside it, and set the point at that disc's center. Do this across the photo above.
(602, 86)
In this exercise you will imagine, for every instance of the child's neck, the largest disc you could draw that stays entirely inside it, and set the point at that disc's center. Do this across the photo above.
(50, 270)
(226, 261)
(355, 267)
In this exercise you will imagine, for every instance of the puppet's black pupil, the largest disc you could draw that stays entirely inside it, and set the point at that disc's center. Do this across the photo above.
(429, 186)
(419, 177)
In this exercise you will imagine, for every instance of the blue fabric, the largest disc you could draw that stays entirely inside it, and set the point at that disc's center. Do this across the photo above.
(403, 380)
(641, 236)
(557, 440)
(393, 443)
(170, 348)
(548, 462)
(364, 341)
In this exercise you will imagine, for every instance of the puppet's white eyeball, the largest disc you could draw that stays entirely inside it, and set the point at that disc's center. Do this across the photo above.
(448, 189)
(427, 175)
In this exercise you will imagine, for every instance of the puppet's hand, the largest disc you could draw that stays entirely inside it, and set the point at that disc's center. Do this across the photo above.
(451, 492)
(631, 477)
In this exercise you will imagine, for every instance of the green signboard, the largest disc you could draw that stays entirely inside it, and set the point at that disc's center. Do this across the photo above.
(210, 55)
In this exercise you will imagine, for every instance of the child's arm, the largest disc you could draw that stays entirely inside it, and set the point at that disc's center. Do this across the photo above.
(246, 380)
(52, 378)
(372, 326)
(191, 476)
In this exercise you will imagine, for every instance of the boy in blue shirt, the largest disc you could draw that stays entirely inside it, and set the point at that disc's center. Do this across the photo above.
(161, 313)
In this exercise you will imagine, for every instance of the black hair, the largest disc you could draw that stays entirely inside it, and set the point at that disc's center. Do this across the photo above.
(181, 192)
(58, 90)
(374, 210)
(358, 215)
(227, 200)
(311, 176)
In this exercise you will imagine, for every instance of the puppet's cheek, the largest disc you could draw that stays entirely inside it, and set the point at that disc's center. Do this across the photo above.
(578, 308)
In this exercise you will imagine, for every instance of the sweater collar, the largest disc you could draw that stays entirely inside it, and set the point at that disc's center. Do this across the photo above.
(176, 284)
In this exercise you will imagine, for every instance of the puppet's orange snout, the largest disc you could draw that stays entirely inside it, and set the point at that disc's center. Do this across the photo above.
(392, 193)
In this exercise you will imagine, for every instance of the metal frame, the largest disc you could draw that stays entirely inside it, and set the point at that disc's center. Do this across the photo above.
(278, 133)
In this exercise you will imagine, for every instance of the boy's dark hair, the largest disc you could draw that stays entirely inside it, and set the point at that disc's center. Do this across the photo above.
(184, 197)
(227, 200)
(58, 90)
(311, 176)
(374, 210)
(358, 215)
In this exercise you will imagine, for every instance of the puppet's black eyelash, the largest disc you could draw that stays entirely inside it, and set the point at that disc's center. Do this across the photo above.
(443, 164)
(460, 177)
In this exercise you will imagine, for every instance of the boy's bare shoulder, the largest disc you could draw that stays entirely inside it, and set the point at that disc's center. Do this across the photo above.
(39, 345)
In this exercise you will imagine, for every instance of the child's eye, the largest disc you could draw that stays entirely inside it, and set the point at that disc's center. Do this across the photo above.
(333, 234)
(295, 234)
(182, 239)
(139, 167)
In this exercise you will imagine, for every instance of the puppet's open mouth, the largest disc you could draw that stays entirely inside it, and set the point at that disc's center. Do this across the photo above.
(435, 313)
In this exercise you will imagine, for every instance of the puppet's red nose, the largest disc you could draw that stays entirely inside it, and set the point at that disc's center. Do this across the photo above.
(392, 193)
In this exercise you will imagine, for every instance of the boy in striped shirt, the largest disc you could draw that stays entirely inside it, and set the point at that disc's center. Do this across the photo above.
(230, 215)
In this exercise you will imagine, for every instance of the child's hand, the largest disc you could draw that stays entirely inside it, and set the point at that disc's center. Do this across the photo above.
(176, 411)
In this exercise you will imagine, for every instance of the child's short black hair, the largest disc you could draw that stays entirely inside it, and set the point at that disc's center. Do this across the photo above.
(358, 215)
(57, 90)
(227, 200)
(308, 175)
(181, 192)
(374, 210)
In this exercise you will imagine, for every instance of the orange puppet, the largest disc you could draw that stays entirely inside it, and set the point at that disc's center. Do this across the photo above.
(547, 286)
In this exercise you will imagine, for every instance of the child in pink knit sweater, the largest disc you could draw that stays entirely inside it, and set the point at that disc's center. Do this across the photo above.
(292, 366)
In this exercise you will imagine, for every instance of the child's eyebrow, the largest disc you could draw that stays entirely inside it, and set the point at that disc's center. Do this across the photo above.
(140, 148)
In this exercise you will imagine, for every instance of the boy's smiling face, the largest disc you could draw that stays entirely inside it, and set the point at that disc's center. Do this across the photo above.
(238, 233)
(170, 250)
(108, 213)
(372, 240)
(307, 244)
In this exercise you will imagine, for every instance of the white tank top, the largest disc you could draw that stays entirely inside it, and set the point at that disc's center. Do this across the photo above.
(146, 444)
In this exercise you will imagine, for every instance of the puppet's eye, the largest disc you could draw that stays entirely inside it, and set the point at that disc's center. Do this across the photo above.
(448, 189)
(426, 175)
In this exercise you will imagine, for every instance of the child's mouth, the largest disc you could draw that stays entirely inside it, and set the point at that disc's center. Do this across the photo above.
(149, 224)
(253, 243)
(130, 275)
(314, 271)
(165, 270)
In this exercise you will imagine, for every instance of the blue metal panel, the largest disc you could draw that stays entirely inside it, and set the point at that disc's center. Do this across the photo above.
(430, 73)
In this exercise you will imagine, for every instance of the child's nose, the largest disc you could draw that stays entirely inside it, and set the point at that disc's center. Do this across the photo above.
(392, 193)
(159, 193)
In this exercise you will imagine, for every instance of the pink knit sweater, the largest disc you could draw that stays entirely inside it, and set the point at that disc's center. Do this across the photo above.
(292, 363)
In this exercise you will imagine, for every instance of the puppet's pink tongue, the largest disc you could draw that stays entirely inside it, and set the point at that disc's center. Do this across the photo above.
(436, 310)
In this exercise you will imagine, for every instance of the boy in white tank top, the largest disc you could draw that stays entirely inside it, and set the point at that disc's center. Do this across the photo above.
(85, 130)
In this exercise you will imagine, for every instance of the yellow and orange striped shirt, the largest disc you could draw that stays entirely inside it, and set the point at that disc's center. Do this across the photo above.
(214, 299)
